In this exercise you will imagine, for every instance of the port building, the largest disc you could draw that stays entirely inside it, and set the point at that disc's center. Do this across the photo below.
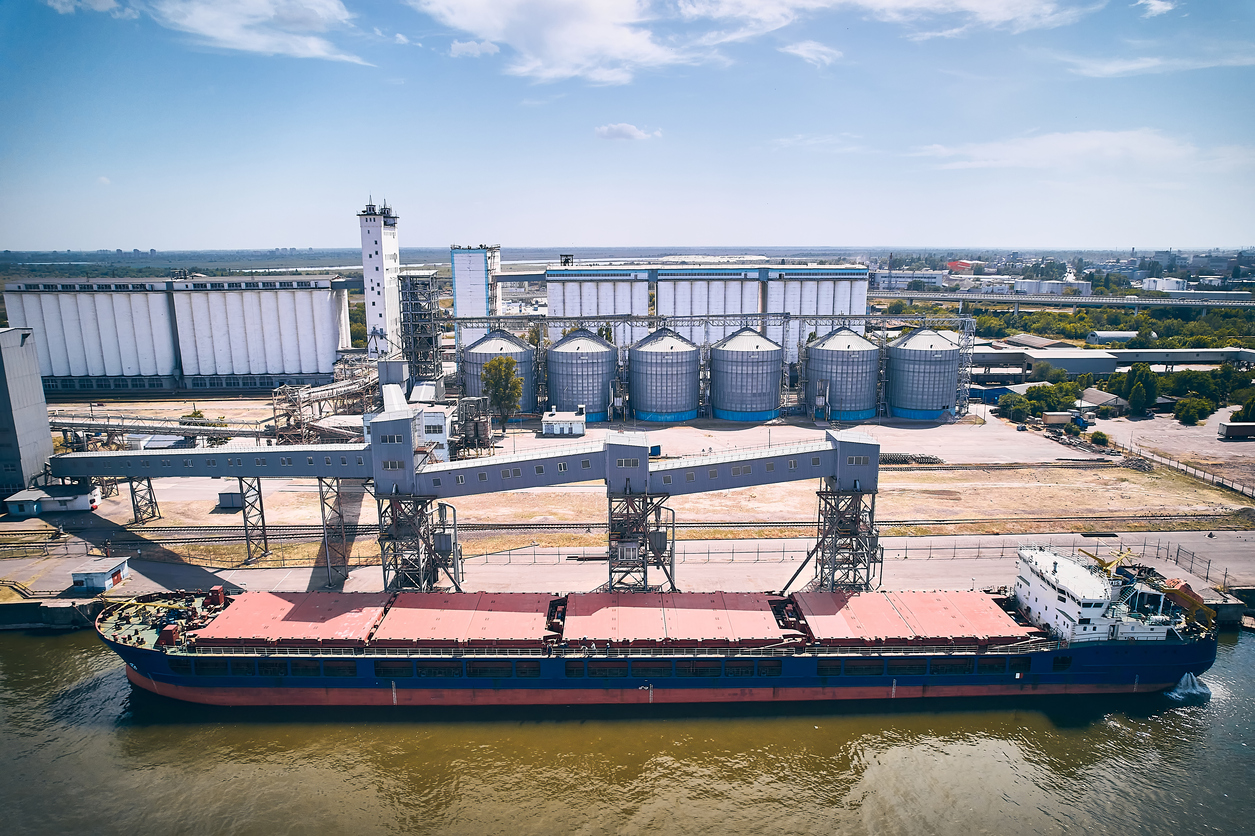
(193, 332)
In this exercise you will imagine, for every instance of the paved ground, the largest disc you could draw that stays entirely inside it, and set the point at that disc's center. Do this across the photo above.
(1199, 445)
(732, 565)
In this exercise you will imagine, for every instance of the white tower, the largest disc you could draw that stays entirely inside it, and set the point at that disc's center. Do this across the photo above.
(381, 264)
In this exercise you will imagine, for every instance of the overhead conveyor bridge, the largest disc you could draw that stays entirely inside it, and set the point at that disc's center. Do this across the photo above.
(418, 529)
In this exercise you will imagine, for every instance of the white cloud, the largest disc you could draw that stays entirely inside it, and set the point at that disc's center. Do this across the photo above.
(1156, 7)
(270, 27)
(609, 41)
(832, 143)
(813, 52)
(622, 130)
(1143, 148)
(401, 39)
(67, 7)
(470, 49)
(104, 181)
(1238, 55)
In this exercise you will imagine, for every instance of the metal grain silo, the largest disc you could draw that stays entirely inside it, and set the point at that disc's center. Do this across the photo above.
(745, 372)
(842, 373)
(663, 377)
(923, 376)
(581, 368)
(500, 344)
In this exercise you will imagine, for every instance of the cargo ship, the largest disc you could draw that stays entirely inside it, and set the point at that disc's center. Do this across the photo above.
(1066, 626)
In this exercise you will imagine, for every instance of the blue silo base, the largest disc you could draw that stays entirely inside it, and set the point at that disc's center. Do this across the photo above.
(918, 414)
(596, 417)
(850, 415)
(729, 415)
(666, 416)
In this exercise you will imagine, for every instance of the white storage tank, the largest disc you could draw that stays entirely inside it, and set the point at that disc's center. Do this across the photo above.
(842, 373)
(500, 344)
(923, 376)
(745, 371)
(663, 371)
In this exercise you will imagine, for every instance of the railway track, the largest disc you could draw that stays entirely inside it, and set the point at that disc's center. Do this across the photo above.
(174, 535)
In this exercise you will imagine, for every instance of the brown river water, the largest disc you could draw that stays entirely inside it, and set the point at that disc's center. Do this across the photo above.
(83, 753)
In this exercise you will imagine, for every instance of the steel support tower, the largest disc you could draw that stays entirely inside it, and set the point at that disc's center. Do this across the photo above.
(642, 535)
(143, 500)
(335, 540)
(256, 542)
(418, 540)
(847, 552)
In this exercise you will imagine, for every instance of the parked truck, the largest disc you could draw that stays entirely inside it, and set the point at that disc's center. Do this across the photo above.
(1236, 429)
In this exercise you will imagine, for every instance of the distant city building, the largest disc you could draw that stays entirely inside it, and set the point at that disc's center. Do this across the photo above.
(901, 279)
(1164, 285)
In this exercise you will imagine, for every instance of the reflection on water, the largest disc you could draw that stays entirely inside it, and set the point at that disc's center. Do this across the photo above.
(83, 751)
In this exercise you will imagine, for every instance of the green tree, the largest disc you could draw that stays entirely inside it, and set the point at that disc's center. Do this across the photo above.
(1190, 410)
(1013, 406)
(1137, 400)
(916, 284)
(1099, 437)
(534, 334)
(1246, 413)
(502, 386)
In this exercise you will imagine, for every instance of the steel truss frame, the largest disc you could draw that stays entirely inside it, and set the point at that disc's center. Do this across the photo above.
(418, 540)
(847, 552)
(256, 542)
(420, 331)
(143, 500)
(335, 539)
(642, 534)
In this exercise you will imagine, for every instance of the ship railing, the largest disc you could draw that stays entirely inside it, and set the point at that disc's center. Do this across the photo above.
(1034, 646)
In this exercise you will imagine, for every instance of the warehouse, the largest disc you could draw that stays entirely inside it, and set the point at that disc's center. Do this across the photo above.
(192, 332)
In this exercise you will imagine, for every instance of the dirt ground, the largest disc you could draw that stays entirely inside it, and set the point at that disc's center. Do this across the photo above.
(1198, 445)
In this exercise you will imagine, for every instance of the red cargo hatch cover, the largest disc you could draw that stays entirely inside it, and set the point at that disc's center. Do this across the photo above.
(642, 618)
(477, 618)
(296, 619)
(838, 618)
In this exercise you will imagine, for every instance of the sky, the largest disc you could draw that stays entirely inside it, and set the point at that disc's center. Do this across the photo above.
(225, 124)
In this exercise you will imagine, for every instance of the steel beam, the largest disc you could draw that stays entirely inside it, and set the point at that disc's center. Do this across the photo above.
(255, 539)
(143, 500)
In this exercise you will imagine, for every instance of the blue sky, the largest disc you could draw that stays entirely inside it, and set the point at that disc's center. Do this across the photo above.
(195, 124)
